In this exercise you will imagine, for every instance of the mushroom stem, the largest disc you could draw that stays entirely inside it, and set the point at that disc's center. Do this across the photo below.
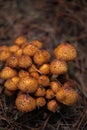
(54, 76)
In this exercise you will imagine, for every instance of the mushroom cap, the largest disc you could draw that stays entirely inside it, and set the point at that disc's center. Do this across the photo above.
(4, 48)
(7, 73)
(20, 40)
(55, 86)
(37, 43)
(25, 103)
(28, 84)
(65, 51)
(35, 75)
(44, 69)
(23, 73)
(44, 80)
(13, 48)
(41, 57)
(30, 50)
(19, 52)
(67, 96)
(12, 84)
(4, 55)
(40, 101)
(12, 61)
(58, 67)
(50, 94)
(24, 61)
(40, 92)
(53, 105)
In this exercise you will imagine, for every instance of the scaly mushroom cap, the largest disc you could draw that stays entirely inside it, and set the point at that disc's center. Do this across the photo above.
(20, 40)
(40, 92)
(67, 96)
(55, 86)
(23, 73)
(41, 57)
(13, 48)
(4, 55)
(44, 69)
(19, 52)
(12, 61)
(7, 73)
(24, 61)
(25, 103)
(58, 67)
(50, 94)
(65, 51)
(44, 80)
(30, 50)
(12, 84)
(40, 102)
(4, 48)
(37, 43)
(53, 106)
(28, 84)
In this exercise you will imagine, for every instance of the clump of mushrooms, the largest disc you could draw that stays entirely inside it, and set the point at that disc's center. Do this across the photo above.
(30, 72)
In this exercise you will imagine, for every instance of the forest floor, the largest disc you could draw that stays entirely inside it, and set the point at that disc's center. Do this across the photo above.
(52, 22)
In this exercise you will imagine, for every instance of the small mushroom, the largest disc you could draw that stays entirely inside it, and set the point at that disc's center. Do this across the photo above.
(28, 84)
(30, 50)
(4, 48)
(37, 43)
(55, 86)
(44, 69)
(12, 84)
(12, 61)
(65, 51)
(19, 52)
(67, 96)
(7, 73)
(50, 94)
(53, 105)
(58, 67)
(40, 92)
(44, 80)
(40, 101)
(23, 73)
(20, 40)
(41, 57)
(35, 75)
(4, 55)
(25, 103)
(13, 48)
(24, 61)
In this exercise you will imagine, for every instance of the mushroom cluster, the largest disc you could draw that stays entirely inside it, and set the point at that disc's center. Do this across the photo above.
(33, 75)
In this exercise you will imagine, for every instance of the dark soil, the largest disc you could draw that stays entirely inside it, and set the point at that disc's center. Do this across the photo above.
(52, 22)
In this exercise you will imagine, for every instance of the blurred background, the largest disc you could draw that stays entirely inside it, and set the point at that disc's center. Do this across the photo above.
(52, 22)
